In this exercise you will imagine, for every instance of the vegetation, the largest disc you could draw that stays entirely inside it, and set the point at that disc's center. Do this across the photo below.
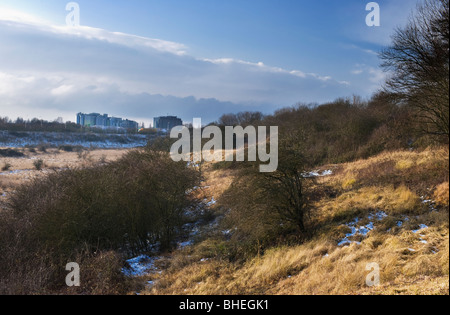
(38, 164)
(282, 233)
(121, 208)
(6, 166)
(10, 153)
(419, 60)
(410, 262)
(18, 126)
(385, 199)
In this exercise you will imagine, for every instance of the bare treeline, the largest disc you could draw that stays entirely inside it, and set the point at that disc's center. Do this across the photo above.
(418, 60)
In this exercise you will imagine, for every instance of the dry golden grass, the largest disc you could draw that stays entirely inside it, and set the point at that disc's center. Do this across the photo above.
(394, 168)
(22, 169)
(54, 158)
(218, 181)
(368, 199)
(441, 194)
(410, 263)
(320, 267)
(404, 159)
(348, 181)
(404, 164)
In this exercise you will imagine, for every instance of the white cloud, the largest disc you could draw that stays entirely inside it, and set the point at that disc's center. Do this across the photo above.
(62, 90)
(8, 14)
(356, 72)
(69, 69)
(372, 77)
(121, 38)
(265, 68)
(377, 76)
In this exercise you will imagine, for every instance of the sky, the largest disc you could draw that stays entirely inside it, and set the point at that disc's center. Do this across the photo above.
(139, 59)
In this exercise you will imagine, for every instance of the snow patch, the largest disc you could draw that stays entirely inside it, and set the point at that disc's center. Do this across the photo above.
(140, 266)
(421, 227)
(187, 243)
(317, 174)
(212, 202)
(380, 215)
(55, 139)
(361, 230)
(429, 202)
(15, 172)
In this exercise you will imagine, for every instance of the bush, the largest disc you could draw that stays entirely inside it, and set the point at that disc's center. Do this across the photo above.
(127, 207)
(38, 164)
(10, 153)
(266, 207)
(43, 147)
(6, 167)
(70, 148)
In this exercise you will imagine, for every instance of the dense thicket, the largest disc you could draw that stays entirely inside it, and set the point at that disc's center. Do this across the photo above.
(128, 207)
(40, 125)
(344, 130)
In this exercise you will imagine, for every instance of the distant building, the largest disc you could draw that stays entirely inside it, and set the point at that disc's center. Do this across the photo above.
(103, 121)
(88, 120)
(115, 122)
(166, 122)
(129, 124)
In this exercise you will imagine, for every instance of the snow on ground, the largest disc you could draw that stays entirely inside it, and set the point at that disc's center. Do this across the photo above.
(380, 215)
(145, 265)
(184, 244)
(212, 202)
(361, 230)
(317, 174)
(140, 266)
(327, 173)
(400, 223)
(421, 227)
(87, 140)
(15, 172)
(429, 202)
(193, 164)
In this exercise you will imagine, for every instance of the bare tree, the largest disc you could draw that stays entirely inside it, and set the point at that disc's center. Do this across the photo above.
(419, 62)
(242, 118)
(262, 202)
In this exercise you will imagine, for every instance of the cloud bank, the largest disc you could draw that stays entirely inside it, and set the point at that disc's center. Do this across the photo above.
(56, 70)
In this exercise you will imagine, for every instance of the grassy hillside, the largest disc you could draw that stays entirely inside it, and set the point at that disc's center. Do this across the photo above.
(391, 209)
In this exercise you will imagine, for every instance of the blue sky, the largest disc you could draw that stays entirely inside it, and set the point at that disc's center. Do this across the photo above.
(196, 58)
